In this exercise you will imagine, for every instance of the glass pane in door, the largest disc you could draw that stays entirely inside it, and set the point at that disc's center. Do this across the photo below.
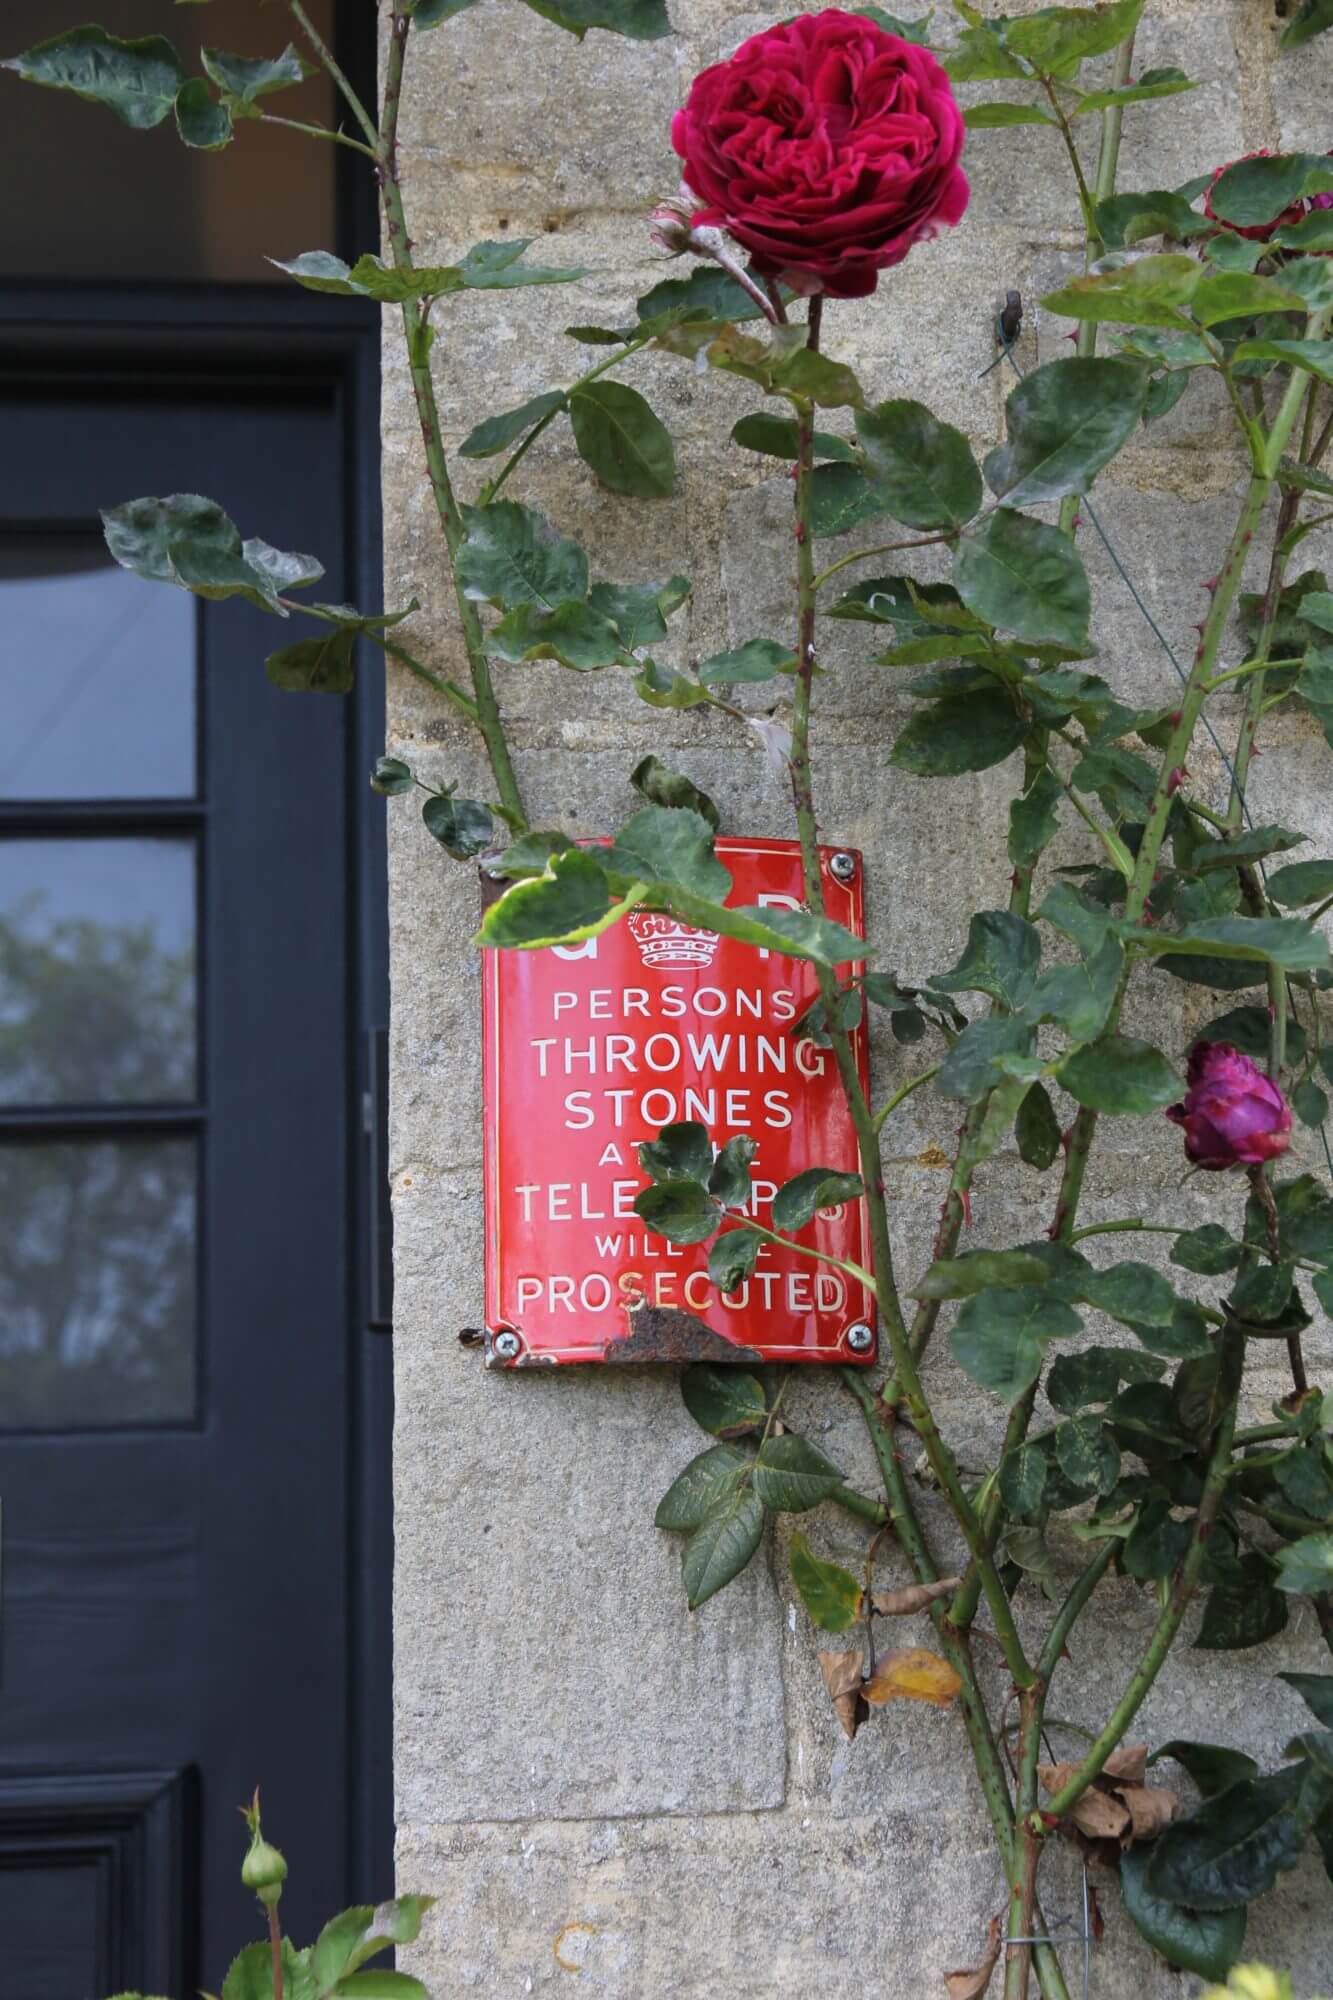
(97, 1282)
(97, 676)
(97, 970)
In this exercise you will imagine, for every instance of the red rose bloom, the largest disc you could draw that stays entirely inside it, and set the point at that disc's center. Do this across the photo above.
(1232, 1114)
(826, 147)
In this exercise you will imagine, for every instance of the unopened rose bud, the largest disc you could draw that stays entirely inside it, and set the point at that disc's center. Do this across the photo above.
(264, 1869)
(670, 232)
(1231, 1114)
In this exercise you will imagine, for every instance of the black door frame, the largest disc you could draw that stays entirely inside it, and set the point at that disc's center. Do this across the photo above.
(187, 339)
(217, 336)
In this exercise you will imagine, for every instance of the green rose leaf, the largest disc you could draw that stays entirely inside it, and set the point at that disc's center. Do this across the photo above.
(1087, 1454)
(496, 267)
(1090, 1376)
(1079, 997)
(1157, 1542)
(1314, 356)
(730, 1180)
(1065, 422)
(1288, 942)
(1023, 1480)
(626, 445)
(1240, 295)
(374, 1985)
(1205, 1942)
(512, 556)
(138, 80)
(571, 901)
(776, 437)
(1000, 959)
(325, 666)
(356, 1935)
(1000, 1336)
(796, 1203)
(1208, 1251)
(971, 1067)
(1247, 1613)
(662, 786)
(247, 78)
(463, 827)
(1025, 577)
(1131, 1292)
(391, 777)
(1256, 190)
(1234, 1847)
(682, 1152)
(1125, 219)
(999, 114)
(1312, 17)
(1304, 1476)
(791, 1475)
(494, 434)
(978, 1271)
(732, 1259)
(573, 633)
(639, 611)
(190, 542)
(1037, 1130)
(721, 1545)
(706, 292)
(1033, 818)
(726, 1402)
(1316, 1691)
(681, 1211)
(431, 13)
(1306, 1567)
(841, 498)
(1211, 1766)
(671, 845)
(1301, 882)
(923, 469)
(831, 1595)
(1149, 292)
(707, 1482)
(1056, 38)
(1120, 1075)
(201, 121)
(1154, 83)
(756, 660)
(830, 385)
(962, 733)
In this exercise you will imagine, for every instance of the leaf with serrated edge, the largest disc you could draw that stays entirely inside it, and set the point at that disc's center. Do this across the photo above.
(721, 1546)
(831, 1594)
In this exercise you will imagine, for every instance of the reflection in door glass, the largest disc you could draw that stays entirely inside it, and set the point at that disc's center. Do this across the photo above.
(97, 1283)
(97, 677)
(97, 989)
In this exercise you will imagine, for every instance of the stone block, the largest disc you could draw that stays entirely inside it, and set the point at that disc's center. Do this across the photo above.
(545, 1664)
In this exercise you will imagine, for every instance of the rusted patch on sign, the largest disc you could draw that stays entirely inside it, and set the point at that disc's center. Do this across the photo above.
(591, 1049)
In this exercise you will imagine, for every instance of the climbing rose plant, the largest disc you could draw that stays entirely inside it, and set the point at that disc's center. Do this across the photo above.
(814, 160)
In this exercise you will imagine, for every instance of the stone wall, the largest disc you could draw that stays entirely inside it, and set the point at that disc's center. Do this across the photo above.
(599, 1786)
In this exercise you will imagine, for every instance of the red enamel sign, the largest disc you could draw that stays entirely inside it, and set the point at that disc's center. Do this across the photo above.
(591, 1049)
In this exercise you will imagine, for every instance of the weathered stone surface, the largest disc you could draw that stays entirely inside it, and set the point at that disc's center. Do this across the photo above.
(544, 1665)
(870, 1906)
(596, 1783)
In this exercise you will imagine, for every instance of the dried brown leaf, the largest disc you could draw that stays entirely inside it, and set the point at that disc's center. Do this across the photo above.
(914, 1597)
(1100, 1816)
(970, 1985)
(842, 1679)
(913, 1674)
(1129, 1764)
(1150, 1807)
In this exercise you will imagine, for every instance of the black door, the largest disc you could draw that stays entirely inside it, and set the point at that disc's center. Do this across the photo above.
(192, 1410)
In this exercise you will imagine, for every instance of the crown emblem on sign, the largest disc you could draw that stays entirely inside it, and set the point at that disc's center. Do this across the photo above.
(663, 941)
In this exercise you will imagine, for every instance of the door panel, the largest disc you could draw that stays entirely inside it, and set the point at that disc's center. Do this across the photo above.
(176, 1287)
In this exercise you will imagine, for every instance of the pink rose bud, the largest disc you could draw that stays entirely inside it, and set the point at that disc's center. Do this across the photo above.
(1232, 1114)
(826, 147)
(671, 223)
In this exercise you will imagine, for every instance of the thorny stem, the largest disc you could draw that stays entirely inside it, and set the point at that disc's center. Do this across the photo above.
(417, 335)
(318, 132)
(326, 57)
(941, 1459)
(1263, 1194)
(1168, 1624)
(1022, 1896)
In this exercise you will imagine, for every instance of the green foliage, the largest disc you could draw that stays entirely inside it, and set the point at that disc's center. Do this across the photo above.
(831, 1595)
(1026, 577)
(1065, 422)
(924, 471)
(1205, 1942)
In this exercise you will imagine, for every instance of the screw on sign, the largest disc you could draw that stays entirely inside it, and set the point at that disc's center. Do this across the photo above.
(591, 1049)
